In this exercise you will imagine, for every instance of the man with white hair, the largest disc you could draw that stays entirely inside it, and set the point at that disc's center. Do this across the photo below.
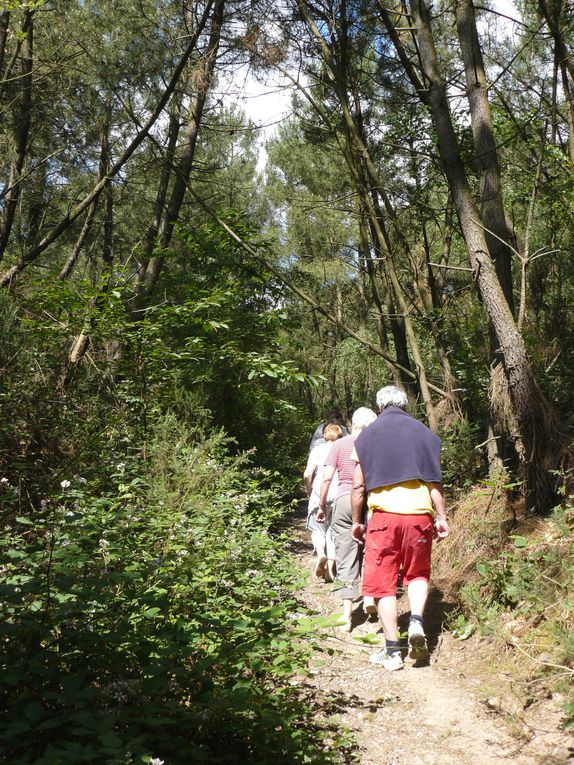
(398, 469)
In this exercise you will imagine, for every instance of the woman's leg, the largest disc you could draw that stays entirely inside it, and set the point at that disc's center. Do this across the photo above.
(347, 556)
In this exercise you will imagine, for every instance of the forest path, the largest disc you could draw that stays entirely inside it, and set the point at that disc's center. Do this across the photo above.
(424, 715)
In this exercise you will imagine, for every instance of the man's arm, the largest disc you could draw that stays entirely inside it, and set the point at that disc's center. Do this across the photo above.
(438, 501)
(358, 494)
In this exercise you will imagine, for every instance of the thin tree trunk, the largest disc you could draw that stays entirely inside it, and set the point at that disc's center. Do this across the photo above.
(550, 10)
(104, 166)
(80, 241)
(433, 312)
(82, 342)
(108, 243)
(569, 109)
(4, 24)
(20, 39)
(370, 268)
(161, 195)
(21, 132)
(205, 79)
(368, 183)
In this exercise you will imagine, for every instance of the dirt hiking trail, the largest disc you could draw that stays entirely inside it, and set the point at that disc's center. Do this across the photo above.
(438, 714)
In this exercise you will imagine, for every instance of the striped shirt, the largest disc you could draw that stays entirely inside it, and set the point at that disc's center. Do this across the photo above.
(340, 458)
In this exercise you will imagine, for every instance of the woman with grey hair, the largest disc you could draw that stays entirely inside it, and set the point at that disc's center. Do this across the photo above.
(347, 552)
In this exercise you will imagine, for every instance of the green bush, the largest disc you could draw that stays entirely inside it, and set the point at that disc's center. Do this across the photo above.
(155, 619)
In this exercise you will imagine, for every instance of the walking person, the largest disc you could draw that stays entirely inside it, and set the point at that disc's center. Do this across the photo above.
(333, 418)
(340, 466)
(398, 470)
(319, 527)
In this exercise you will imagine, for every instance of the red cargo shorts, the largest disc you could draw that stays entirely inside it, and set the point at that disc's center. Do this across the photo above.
(393, 540)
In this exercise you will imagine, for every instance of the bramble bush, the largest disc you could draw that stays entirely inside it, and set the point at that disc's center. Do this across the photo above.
(152, 616)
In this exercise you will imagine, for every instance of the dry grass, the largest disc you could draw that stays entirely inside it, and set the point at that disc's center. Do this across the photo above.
(479, 526)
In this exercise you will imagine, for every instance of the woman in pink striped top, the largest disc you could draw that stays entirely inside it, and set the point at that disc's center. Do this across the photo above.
(347, 552)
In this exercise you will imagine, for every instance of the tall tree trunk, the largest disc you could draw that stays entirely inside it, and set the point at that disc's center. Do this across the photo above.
(161, 195)
(105, 163)
(498, 237)
(80, 241)
(4, 24)
(204, 79)
(535, 441)
(365, 252)
(22, 123)
(551, 11)
(6, 75)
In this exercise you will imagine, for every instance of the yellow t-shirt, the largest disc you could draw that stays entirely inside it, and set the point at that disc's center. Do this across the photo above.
(407, 498)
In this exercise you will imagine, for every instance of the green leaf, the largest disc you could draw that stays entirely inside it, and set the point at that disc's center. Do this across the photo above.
(369, 639)
(149, 613)
(110, 740)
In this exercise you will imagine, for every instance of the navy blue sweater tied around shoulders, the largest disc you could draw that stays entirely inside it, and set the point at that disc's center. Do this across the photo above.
(397, 448)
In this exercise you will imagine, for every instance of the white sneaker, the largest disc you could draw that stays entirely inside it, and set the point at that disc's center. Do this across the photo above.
(390, 662)
(418, 649)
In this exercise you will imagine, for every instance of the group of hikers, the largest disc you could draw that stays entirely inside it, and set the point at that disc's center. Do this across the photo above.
(376, 502)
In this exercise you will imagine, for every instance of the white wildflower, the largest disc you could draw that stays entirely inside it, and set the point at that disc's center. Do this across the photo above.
(4, 480)
(65, 484)
(155, 761)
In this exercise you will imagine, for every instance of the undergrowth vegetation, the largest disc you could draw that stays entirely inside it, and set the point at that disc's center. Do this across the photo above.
(152, 616)
(513, 579)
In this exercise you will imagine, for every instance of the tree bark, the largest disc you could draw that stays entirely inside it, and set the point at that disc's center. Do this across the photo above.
(4, 24)
(147, 278)
(22, 121)
(20, 39)
(161, 195)
(535, 442)
(365, 250)
(105, 161)
(498, 236)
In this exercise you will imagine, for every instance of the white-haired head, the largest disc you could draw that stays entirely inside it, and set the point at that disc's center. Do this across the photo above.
(390, 395)
(362, 417)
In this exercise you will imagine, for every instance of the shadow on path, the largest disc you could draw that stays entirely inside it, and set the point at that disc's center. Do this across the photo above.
(436, 612)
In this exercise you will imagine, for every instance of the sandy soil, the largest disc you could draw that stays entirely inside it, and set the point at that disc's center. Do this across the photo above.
(454, 710)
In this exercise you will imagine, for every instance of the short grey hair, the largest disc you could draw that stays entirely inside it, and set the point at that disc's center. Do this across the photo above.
(362, 417)
(390, 395)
